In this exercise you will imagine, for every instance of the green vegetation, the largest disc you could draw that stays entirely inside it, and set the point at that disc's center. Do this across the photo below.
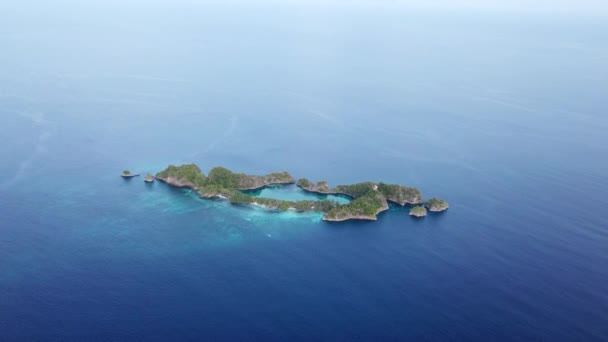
(356, 190)
(389, 190)
(367, 206)
(231, 180)
(213, 190)
(224, 177)
(303, 183)
(240, 198)
(188, 174)
(436, 204)
(400, 194)
(369, 198)
(219, 178)
(280, 177)
(418, 211)
(321, 187)
(305, 205)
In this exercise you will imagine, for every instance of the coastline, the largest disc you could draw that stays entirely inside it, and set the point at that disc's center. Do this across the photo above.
(260, 187)
(366, 199)
(360, 217)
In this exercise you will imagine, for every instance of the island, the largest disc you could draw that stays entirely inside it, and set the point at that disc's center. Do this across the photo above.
(436, 205)
(368, 199)
(418, 211)
(149, 178)
(128, 174)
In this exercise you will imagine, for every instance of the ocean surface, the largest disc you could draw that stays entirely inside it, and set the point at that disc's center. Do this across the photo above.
(502, 114)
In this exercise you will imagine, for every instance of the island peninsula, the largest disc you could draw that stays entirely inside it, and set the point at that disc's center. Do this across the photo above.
(368, 199)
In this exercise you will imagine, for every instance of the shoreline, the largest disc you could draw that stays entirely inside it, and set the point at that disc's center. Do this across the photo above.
(384, 208)
(364, 198)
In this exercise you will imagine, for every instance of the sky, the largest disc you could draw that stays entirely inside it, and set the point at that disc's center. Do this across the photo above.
(591, 6)
(550, 5)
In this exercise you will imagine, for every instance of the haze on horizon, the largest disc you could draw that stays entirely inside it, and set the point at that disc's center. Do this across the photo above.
(581, 6)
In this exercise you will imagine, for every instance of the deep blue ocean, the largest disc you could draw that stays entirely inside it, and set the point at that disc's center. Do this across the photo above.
(502, 114)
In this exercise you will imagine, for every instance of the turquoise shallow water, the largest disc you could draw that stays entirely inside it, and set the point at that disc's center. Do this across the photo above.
(293, 193)
(501, 114)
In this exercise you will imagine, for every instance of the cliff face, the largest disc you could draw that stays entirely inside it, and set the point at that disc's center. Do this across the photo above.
(321, 187)
(368, 198)
(399, 194)
(435, 208)
(129, 175)
(247, 182)
(405, 199)
(191, 176)
(178, 182)
(436, 205)
(225, 178)
(211, 193)
(184, 176)
(418, 211)
(366, 208)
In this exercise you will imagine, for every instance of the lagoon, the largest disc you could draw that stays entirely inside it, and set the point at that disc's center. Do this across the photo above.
(294, 193)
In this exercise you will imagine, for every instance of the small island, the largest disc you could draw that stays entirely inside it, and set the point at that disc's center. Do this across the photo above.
(418, 211)
(368, 199)
(128, 174)
(436, 205)
(149, 178)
